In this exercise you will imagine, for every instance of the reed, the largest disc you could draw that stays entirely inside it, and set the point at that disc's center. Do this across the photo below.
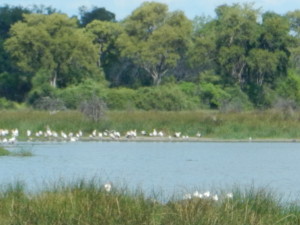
(87, 202)
(4, 152)
(211, 124)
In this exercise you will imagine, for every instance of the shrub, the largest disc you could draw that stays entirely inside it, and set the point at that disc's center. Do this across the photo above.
(75, 94)
(6, 104)
(289, 87)
(49, 104)
(166, 97)
(94, 108)
(121, 98)
(236, 102)
(212, 95)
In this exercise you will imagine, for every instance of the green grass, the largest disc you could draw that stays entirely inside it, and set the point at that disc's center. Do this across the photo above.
(4, 152)
(212, 124)
(22, 153)
(18, 153)
(89, 203)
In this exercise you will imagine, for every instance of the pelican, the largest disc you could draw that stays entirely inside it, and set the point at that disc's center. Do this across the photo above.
(107, 187)
(229, 195)
(160, 133)
(206, 194)
(28, 132)
(197, 194)
(215, 198)
(177, 134)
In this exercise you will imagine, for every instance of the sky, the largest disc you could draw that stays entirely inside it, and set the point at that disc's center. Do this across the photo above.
(123, 8)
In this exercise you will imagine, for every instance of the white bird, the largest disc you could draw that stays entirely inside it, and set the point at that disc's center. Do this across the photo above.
(12, 140)
(206, 194)
(229, 195)
(215, 198)
(177, 134)
(198, 134)
(28, 132)
(64, 135)
(73, 139)
(15, 133)
(160, 133)
(197, 194)
(187, 196)
(108, 187)
(117, 134)
(154, 133)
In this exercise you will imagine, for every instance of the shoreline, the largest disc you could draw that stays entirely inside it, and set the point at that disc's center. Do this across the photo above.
(170, 140)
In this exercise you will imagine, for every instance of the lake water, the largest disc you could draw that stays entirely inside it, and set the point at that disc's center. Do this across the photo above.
(164, 166)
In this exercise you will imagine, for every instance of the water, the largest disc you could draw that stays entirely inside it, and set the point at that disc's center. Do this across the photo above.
(168, 167)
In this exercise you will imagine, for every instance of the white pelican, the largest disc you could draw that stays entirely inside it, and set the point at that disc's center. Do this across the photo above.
(107, 187)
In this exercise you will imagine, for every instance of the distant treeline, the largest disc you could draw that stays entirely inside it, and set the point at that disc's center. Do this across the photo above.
(240, 59)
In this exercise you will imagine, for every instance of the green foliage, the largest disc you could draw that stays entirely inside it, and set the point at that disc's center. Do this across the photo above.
(289, 88)
(166, 97)
(213, 95)
(6, 104)
(87, 202)
(14, 86)
(52, 43)
(189, 88)
(121, 98)
(73, 95)
(237, 101)
(155, 39)
(242, 46)
(4, 152)
(95, 14)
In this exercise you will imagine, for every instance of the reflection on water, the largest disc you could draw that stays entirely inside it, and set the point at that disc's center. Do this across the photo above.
(169, 167)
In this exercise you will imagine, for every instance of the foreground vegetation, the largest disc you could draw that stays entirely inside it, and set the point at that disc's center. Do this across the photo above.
(211, 124)
(90, 203)
(21, 153)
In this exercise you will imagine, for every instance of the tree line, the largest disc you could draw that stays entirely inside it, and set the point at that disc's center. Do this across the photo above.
(240, 59)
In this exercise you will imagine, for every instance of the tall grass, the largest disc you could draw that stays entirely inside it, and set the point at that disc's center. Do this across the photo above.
(4, 152)
(87, 202)
(211, 124)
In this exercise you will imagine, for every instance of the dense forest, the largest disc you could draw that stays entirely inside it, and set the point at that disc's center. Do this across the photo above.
(154, 59)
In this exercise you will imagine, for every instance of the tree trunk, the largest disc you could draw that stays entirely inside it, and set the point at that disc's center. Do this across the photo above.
(53, 80)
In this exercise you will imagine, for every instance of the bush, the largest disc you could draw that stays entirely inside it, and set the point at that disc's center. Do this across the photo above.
(167, 97)
(94, 108)
(238, 101)
(49, 104)
(121, 98)
(6, 104)
(40, 92)
(212, 95)
(73, 95)
(289, 87)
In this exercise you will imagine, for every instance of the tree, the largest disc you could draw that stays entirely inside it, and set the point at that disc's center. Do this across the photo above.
(237, 33)
(53, 43)
(104, 34)
(14, 84)
(95, 14)
(155, 39)
(294, 21)
(263, 65)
